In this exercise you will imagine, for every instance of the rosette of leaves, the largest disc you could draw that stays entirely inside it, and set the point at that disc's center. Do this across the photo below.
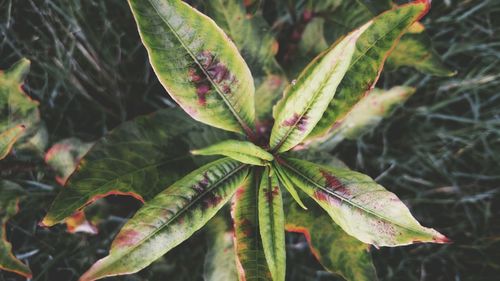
(203, 71)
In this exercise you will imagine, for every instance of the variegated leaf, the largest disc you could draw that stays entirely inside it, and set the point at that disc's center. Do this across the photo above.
(365, 115)
(243, 151)
(63, 157)
(372, 49)
(359, 205)
(197, 64)
(272, 224)
(304, 101)
(251, 260)
(9, 200)
(220, 261)
(170, 218)
(252, 35)
(8, 138)
(337, 251)
(139, 158)
(19, 115)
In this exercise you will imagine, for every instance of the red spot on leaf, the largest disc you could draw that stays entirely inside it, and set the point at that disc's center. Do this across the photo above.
(271, 193)
(127, 238)
(297, 120)
(334, 184)
(211, 200)
(320, 195)
(307, 15)
(247, 227)
(202, 184)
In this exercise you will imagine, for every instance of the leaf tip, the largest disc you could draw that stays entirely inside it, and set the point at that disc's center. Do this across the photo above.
(441, 239)
(47, 221)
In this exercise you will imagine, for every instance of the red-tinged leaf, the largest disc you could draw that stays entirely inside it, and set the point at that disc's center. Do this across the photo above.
(251, 259)
(304, 101)
(79, 223)
(337, 251)
(9, 200)
(63, 157)
(170, 218)
(272, 224)
(139, 158)
(8, 138)
(372, 49)
(359, 205)
(19, 115)
(220, 261)
(197, 64)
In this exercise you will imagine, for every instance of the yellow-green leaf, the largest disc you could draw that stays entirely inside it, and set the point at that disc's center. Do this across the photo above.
(372, 49)
(272, 224)
(365, 115)
(170, 218)
(243, 151)
(197, 64)
(360, 206)
(251, 260)
(305, 100)
(19, 115)
(8, 138)
(287, 183)
(9, 200)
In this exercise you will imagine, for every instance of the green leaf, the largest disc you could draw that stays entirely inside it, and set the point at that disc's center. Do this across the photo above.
(360, 206)
(415, 50)
(251, 260)
(337, 251)
(252, 35)
(170, 218)
(243, 151)
(8, 138)
(372, 49)
(138, 158)
(63, 157)
(197, 64)
(365, 115)
(304, 101)
(287, 183)
(272, 225)
(19, 115)
(9, 200)
(220, 262)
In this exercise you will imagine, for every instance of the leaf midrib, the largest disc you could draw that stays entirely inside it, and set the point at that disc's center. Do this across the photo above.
(355, 205)
(242, 123)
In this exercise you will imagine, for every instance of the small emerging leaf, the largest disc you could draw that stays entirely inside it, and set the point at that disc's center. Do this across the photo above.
(304, 101)
(170, 218)
(63, 157)
(197, 64)
(243, 151)
(9, 200)
(251, 260)
(360, 206)
(272, 225)
(286, 182)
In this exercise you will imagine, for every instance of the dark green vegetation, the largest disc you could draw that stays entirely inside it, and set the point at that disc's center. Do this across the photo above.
(439, 152)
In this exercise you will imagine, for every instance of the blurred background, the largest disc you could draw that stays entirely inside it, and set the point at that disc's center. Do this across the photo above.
(439, 152)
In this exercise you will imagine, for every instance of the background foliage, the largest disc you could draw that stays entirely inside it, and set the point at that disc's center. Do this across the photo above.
(440, 152)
